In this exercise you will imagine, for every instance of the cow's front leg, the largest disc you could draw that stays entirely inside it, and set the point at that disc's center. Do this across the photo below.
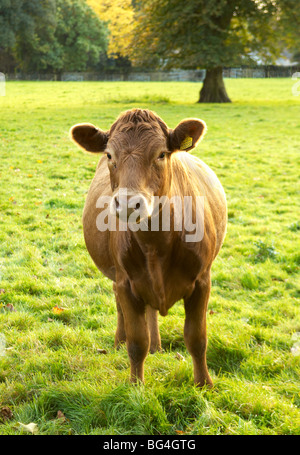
(120, 335)
(195, 329)
(136, 328)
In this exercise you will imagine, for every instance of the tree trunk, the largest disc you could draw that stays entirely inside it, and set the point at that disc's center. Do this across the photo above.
(213, 89)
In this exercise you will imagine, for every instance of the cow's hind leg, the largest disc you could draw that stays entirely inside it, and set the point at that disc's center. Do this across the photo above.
(152, 321)
(120, 335)
(195, 329)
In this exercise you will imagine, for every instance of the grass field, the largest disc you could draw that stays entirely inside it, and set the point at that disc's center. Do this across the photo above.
(57, 312)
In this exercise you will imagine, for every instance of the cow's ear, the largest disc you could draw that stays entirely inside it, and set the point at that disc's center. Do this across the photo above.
(187, 134)
(89, 137)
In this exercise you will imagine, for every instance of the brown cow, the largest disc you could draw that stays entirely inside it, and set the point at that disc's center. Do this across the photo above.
(153, 268)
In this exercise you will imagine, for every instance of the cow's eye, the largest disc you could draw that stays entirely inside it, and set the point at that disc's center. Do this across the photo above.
(108, 156)
(162, 155)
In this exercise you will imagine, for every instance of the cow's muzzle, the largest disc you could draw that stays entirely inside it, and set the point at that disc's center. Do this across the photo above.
(130, 206)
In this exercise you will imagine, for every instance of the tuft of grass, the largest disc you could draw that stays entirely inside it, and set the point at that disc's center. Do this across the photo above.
(264, 251)
(294, 227)
(249, 281)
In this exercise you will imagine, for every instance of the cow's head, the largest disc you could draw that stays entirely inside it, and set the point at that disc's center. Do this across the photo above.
(138, 147)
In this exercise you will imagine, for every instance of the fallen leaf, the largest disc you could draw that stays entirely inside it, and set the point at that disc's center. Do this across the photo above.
(295, 349)
(31, 427)
(9, 307)
(5, 413)
(61, 416)
(179, 356)
(57, 310)
(2, 291)
(179, 432)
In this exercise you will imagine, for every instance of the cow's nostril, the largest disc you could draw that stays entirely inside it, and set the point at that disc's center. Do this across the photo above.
(137, 206)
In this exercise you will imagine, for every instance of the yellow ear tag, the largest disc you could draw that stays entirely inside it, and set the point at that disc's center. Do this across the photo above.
(186, 143)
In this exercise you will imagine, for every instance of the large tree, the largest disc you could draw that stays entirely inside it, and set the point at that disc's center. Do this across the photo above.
(209, 34)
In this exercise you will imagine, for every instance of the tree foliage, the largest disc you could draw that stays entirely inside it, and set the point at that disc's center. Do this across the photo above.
(76, 35)
(53, 35)
(288, 28)
(81, 35)
(119, 16)
(34, 38)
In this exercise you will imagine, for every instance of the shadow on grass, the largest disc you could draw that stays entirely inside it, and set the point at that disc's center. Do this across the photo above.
(224, 357)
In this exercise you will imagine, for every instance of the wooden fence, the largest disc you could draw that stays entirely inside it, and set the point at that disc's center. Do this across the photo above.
(175, 75)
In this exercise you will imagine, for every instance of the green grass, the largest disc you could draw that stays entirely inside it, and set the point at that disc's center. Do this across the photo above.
(52, 363)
